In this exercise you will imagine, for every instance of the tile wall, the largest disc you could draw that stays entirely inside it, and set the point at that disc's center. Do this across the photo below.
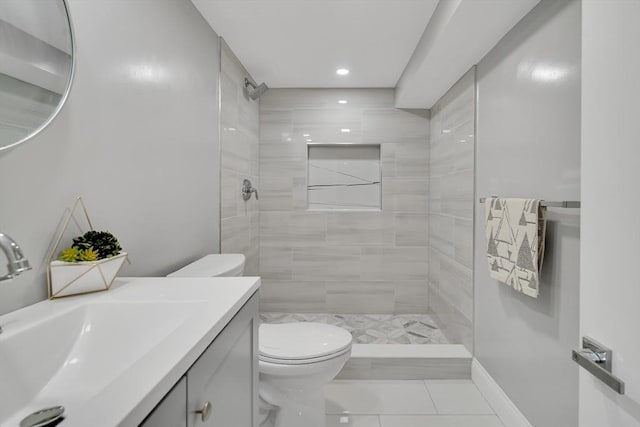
(239, 128)
(450, 207)
(342, 262)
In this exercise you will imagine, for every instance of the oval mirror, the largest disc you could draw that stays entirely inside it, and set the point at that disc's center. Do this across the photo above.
(36, 66)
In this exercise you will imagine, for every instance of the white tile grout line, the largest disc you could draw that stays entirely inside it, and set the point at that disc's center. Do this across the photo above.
(379, 416)
(437, 413)
(424, 383)
(469, 381)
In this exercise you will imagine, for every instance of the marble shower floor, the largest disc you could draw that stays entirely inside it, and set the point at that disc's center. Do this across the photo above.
(372, 328)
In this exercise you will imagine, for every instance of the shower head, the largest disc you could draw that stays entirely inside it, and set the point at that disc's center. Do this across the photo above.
(254, 91)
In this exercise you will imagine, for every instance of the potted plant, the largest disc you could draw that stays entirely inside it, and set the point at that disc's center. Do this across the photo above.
(90, 264)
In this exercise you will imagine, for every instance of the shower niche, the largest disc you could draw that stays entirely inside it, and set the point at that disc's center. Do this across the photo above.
(344, 177)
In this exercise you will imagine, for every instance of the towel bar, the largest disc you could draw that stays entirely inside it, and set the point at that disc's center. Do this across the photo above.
(572, 204)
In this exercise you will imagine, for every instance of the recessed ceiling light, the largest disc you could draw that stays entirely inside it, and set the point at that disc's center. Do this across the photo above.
(342, 71)
(345, 130)
(342, 101)
(309, 140)
(305, 135)
(446, 130)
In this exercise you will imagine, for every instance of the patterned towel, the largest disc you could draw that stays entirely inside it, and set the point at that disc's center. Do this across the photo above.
(515, 230)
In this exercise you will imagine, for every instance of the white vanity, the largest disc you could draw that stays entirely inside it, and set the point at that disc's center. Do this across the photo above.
(151, 351)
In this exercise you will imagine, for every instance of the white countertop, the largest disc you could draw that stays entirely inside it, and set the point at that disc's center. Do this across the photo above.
(124, 398)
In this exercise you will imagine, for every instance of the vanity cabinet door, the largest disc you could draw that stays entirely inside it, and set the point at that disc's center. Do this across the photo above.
(223, 383)
(172, 410)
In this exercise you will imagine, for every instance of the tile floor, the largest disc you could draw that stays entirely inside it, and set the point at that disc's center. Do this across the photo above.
(373, 328)
(430, 403)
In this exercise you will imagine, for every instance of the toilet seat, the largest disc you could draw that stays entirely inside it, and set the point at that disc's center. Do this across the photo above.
(302, 343)
(302, 361)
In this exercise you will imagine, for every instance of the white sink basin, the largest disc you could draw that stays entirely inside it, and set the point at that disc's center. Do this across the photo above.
(82, 350)
(121, 345)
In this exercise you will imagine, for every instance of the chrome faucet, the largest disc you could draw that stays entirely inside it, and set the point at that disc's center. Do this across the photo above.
(17, 262)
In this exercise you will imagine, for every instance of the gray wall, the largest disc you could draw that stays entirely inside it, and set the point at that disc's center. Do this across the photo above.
(342, 262)
(451, 161)
(138, 139)
(528, 145)
(240, 225)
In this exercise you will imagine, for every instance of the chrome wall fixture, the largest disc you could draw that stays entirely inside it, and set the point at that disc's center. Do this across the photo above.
(17, 262)
(254, 91)
(247, 189)
(598, 360)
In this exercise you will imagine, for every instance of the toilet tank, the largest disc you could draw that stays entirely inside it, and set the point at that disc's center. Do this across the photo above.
(213, 265)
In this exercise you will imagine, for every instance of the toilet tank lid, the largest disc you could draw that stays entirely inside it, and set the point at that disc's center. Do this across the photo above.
(212, 265)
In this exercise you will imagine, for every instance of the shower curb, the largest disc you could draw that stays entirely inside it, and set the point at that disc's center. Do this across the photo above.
(407, 362)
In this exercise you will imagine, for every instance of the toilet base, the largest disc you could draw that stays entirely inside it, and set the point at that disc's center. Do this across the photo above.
(295, 388)
(306, 408)
(266, 413)
(293, 395)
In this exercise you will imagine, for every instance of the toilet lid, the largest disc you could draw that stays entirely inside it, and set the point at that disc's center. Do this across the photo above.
(301, 340)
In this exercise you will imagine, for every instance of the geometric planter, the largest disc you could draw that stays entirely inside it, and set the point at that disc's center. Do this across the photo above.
(76, 278)
(65, 279)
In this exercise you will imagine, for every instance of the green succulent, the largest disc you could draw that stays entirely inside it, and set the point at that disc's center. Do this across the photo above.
(70, 254)
(88, 255)
(103, 243)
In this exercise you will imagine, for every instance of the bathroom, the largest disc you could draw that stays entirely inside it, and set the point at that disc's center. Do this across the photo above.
(456, 100)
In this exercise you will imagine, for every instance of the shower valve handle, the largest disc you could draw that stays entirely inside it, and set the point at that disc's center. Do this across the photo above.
(247, 189)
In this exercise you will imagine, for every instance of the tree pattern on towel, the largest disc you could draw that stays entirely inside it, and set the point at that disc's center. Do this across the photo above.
(515, 230)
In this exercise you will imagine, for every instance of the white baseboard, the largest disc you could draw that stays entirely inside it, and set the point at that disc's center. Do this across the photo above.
(497, 398)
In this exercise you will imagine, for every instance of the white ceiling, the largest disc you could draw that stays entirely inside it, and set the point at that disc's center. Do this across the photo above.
(300, 43)
(459, 35)
(419, 47)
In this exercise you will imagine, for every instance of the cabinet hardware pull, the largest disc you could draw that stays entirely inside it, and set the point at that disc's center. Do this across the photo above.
(205, 412)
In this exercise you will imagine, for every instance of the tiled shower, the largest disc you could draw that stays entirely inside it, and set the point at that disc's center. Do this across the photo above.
(349, 261)
(451, 189)
(239, 129)
(398, 272)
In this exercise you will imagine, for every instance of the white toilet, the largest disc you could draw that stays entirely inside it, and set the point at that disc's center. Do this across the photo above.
(296, 360)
